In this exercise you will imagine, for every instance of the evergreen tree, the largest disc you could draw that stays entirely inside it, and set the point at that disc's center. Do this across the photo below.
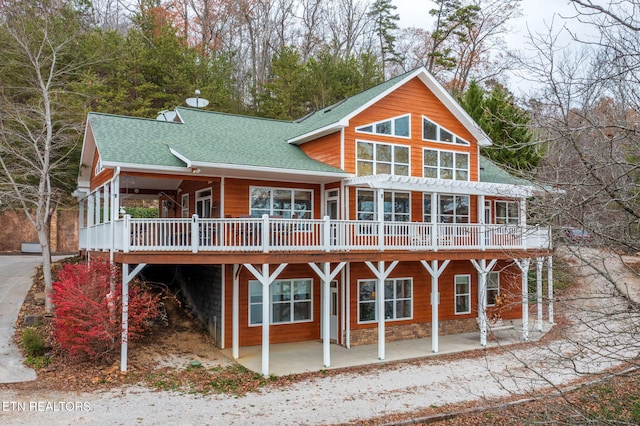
(385, 23)
(505, 123)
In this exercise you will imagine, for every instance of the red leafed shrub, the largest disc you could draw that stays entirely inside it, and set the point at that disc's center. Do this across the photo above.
(88, 319)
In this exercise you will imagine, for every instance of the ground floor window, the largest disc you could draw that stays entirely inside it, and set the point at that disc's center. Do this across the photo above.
(493, 288)
(462, 294)
(398, 299)
(282, 202)
(291, 301)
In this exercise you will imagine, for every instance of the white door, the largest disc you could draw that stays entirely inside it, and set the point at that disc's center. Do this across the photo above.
(333, 311)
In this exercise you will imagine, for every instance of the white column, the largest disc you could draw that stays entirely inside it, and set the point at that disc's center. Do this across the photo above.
(483, 269)
(266, 319)
(522, 212)
(125, 318)
(235, 312)
(265, 279)
(380, 314)
(435, 273)
(434, 221)
(539, 291)
(381, 274)
(380, 218)
(550, 286)
(482, 238)
(524, 270)
(326, 275)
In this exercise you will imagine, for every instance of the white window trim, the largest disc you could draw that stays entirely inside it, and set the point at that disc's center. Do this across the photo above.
(272, 188)
(375, 204)
(393, 126)
(200, 197)
(99, 169)
(507, 203)
(456, 294)
(376, 303)
(454, 169)
(184, 206)
(424, 117)
(375, 161)
(495, 273)
(271, 323)
(455, 196)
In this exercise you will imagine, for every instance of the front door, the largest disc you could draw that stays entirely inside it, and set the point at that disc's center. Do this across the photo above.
(333, 311)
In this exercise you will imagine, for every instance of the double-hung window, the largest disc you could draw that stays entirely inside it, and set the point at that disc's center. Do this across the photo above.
(450, 165)
(398, 300)
(462, 297)
(397, 206)
(507, 212)
(283, 202)
(291, 301)
(381, 158)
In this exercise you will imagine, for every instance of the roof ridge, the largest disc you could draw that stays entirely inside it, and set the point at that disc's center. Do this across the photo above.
(230, 114)
(106, 114)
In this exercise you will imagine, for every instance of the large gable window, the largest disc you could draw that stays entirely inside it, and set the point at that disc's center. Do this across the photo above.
(398, 126)
(286, 203)
(381, 158)
(397, 206)
(448, 165)
(433, 132)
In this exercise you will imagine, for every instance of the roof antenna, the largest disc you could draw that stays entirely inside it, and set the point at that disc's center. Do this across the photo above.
(197, 102)
(166, 115)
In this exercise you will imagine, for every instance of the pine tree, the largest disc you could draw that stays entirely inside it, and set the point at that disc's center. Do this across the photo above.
(385, 24)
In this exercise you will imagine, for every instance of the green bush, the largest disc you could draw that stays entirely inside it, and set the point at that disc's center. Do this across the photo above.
(33, 342)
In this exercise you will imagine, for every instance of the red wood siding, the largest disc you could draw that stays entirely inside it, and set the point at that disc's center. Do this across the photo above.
(325, 149)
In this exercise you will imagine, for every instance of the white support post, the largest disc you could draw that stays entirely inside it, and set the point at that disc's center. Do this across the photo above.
(235, 313)
(326, 275)
(550, 286)
(539, 291)
(524, 270)
(126, 233)
(195, 233)
(380, 218)
(126, 278)
(483, 270)
(381, 274)
(435, 273)
(482, 238)
(434, 221)
(266, 233)
(326, 233)
(265, 279)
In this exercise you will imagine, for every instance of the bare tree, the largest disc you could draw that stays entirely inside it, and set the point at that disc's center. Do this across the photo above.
(37, 135)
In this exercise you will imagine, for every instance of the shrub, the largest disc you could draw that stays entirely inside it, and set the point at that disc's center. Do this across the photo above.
(33, 342)
(88, 317)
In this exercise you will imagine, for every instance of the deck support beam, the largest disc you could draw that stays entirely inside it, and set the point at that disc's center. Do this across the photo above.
(235, 312)
(550, 286)
(326, 275)
(126, 279)
(381, 274)
(483, 270)
(523, 264)
(539, 263)
(435, 271)
(265, 279)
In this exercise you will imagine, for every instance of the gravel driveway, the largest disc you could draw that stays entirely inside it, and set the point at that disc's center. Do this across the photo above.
(594, 343)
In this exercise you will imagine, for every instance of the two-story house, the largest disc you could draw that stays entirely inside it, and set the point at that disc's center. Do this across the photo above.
(374, 219)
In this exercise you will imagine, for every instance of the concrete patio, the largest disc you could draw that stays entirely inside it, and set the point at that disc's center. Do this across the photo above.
(302, 357)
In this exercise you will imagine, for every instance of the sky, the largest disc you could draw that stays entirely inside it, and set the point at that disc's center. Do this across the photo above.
(536, 16)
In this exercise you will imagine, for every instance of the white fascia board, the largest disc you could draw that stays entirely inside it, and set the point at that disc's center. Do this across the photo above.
(326, 130)
(147, 167)
(180, 157)
(405, 183)
(229, 166)
(455, 108)
(87, 151)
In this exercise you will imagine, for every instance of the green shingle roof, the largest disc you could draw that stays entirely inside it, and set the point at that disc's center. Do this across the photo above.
(492, 173)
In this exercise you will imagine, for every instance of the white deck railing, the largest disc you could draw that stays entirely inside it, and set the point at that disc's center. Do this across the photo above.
(268, 234)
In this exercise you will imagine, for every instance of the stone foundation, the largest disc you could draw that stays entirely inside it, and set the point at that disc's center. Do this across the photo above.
(393, 333)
